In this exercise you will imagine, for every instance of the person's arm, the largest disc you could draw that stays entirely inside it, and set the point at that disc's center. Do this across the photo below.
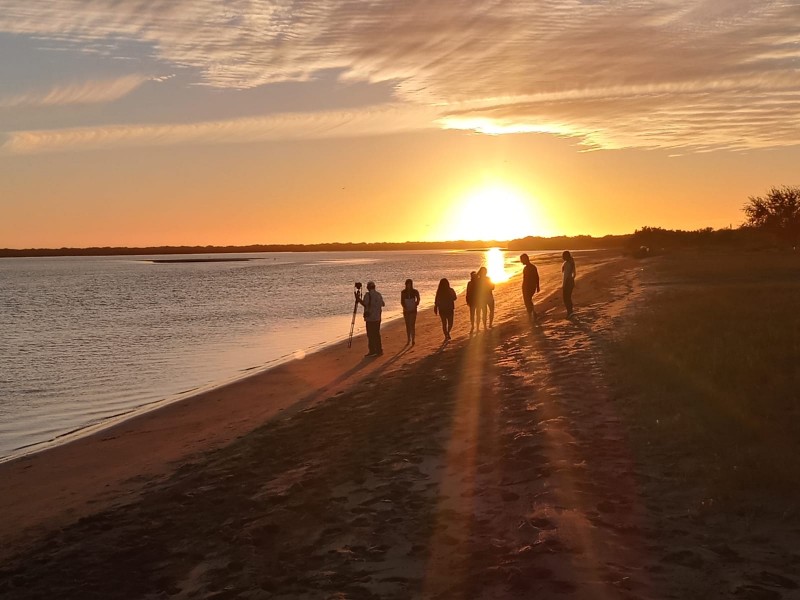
(416, 297)
(402, 300)
(453, 294)
(536, 271)
(436, 304)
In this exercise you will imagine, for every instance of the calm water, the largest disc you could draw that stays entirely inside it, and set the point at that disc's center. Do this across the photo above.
(83, 340)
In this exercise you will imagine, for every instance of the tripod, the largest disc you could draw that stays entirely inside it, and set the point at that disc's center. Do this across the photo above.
(355, 310)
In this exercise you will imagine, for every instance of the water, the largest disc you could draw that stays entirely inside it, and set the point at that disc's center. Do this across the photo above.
(85, 339)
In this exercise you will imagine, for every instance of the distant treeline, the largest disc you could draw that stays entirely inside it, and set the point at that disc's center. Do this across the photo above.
(578, 242)
(656, 238)
(327, 247)
(653, 238)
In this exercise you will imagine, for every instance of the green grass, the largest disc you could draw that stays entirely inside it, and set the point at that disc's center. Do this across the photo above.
(711, 368)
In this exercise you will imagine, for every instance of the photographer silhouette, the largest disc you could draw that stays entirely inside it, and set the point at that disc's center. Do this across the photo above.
(373, 304)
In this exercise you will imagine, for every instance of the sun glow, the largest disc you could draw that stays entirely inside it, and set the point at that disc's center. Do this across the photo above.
(496, 265)
(495, 212)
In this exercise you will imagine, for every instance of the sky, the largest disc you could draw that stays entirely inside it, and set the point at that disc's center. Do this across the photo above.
(200, 122)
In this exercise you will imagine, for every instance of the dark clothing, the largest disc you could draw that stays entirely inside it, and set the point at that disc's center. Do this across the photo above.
(471, 292)
(530, 280)
(530, 285)
(445, 300)
(569, 285)
(527, 297)
(410, 318)
(445, 307)
(447, 320)
(374, 337)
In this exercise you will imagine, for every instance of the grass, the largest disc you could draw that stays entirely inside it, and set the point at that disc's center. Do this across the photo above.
(711, 369)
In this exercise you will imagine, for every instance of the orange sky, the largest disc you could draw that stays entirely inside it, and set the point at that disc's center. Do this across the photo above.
(129, 126)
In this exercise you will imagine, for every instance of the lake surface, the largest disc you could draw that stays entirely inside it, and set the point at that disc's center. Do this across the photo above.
(87, 339)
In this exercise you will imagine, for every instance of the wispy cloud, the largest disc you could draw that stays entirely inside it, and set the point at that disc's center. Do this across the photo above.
(85, 92)
(695, 74)
(296, 126)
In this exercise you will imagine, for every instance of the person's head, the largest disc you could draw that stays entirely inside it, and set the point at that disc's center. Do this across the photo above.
(370, 285)
(409, 284)
(524, 259)
(482, 272)
(473, 275)
(443, 284)
(566, 255)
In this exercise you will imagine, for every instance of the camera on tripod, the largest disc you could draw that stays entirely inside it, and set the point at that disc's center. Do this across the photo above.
(355, 310)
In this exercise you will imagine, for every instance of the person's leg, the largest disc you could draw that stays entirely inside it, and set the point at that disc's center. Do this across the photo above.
(485, 314)
(413, 318)
(567, 290)
(407, 319)
(491, 312)
(443, 318)
(378, 343)
(529, 306)
(371, 336)
(450, 317)
(471, 318)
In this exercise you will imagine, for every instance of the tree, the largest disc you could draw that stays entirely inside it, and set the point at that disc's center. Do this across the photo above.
(778, 212)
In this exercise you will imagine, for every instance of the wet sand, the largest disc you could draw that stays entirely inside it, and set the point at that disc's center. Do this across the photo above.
(495, 466)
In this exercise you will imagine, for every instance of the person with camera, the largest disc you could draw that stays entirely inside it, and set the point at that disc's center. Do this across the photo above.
(373, 304)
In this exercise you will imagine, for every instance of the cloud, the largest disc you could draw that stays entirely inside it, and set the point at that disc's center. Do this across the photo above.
(643, 73)
(86, 92)
(294, 126)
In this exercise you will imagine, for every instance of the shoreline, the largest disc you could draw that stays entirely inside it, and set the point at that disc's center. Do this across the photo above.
(60, 484)
(89, 429)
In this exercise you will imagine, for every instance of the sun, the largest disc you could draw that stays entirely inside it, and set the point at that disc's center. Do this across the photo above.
(495, 212)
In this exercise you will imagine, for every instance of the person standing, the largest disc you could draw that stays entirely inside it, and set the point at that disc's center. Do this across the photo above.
(568, 277)
(486, 295)
(445, 306)
(530, 285)
(409, 300)
(373, 304)
(472, 300)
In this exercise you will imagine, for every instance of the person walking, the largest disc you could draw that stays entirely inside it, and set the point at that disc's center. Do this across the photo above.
(472, 300)
(486, 295)
(445, 306)
(373, 304)
(409, 300)
(530, 285)
(568, 280)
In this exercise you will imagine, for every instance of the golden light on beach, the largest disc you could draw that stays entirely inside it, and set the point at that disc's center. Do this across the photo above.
(496, 265)
(493, 212)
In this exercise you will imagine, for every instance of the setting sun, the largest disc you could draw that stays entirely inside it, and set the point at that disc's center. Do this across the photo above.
(495, 212)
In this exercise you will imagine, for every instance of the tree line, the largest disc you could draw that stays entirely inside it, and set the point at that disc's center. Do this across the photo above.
(770, 220)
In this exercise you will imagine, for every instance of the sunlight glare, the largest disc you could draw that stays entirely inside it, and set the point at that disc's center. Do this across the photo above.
(496, 265)
(496, 212)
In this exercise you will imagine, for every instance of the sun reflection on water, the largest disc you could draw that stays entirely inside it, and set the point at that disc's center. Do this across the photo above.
(496, 265)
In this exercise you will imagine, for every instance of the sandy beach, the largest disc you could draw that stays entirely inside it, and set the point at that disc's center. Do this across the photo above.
(495, 466)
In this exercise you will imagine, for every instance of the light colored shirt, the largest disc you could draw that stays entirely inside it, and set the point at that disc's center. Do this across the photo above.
(373, 303)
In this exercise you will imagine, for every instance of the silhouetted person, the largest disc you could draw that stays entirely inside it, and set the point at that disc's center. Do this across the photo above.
(409, 300)
(530, 285)
(568, 283)
(445, 306)
(485, 297)
(472, 300)
(373, 304)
